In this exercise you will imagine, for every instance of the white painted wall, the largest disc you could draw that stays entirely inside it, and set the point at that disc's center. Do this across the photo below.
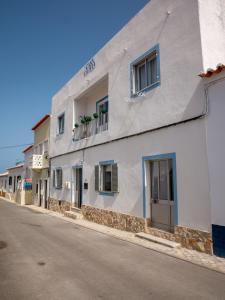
(187, 141)
(212, 26)
(28, 156)
(180, 95)
(216, 146)
(14, 173)
(3, 182)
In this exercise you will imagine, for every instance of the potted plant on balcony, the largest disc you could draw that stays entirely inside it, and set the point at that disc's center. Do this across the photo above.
(95, 116)
(76, 125)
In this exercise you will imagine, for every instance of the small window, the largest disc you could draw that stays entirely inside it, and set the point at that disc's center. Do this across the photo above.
(57, 178)
(106, 178)
(61, 124)
(10, 180)
(145, 72)
(102, 108)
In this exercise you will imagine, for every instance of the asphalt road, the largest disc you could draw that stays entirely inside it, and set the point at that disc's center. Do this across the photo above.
(43, 257)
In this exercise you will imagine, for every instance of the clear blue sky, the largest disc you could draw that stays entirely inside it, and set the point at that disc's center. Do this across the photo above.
(43, 43)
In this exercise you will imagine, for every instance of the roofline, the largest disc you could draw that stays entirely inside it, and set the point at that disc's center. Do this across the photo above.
(28, 148)
(15, 167)
(40, 122)
(211, 72)
(4, 174)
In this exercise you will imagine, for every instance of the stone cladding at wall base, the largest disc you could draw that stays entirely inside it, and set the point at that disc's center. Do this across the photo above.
(194, 239)
(58, 205)
(113, 219)
(189, 238)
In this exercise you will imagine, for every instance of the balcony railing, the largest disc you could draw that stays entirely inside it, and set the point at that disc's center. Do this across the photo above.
(40, 161)
(93, 127)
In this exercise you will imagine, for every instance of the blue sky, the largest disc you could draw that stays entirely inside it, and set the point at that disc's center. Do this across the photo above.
(43, 43)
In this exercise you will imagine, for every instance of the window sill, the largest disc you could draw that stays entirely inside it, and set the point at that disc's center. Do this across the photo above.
(106, 193)
(145, 90)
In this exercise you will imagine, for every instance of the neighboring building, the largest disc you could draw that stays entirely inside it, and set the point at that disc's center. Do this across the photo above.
(3, 183)
(215, 126)
(15, 179)
(28, 160)
(26, 194)
(140, 163)
(40, 162)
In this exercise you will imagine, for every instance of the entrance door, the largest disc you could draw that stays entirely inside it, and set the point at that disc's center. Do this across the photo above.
(45, 193)
(78, 189)
(40, 192)
(162, 194)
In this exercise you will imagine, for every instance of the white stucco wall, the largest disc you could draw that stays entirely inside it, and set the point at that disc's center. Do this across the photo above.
(212, 26)
(14, 172)
(186, 140)
(216, 146)
(180, 94)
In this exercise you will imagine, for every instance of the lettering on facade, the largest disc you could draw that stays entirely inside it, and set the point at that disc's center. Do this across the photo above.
(90, 66)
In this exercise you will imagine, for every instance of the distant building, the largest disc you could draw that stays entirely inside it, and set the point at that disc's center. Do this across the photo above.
(15, 182)
(40, 162)
(3, 183)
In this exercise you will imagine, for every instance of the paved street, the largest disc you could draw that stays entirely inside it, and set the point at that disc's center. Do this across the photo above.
(44, 257)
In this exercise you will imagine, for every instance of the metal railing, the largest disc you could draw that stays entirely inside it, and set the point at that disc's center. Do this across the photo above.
(93, 127)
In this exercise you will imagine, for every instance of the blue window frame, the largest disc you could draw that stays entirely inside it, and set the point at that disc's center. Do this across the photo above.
(61, 123)
(102, 109)
(145, 72)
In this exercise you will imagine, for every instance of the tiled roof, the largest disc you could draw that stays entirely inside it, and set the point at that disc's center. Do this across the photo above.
(28, 148)
(211, 72)
(40, 122)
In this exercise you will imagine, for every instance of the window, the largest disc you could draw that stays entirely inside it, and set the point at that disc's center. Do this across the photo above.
(10, 180)
(162, 180)
(106, 177)
(45, 145)
(102, 108)
(61, 124)
(145, 72)
(57, 178)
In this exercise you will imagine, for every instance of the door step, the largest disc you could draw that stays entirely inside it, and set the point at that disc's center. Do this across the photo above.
(73, 215)
(160, 233)
(75, 209)
(157, 240)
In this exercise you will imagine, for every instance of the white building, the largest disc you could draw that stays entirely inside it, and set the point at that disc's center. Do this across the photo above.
(15, 182)
(40, 162)
(215, 124)
(141, 163)
(3, 183)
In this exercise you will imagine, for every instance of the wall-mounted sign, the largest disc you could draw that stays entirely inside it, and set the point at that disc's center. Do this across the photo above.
(90, 66)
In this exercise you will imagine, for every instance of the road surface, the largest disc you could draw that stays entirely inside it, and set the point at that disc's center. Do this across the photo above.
(44, 257)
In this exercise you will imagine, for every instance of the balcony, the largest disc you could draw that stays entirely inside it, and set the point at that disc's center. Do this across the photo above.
(91, 128)
(40, 162)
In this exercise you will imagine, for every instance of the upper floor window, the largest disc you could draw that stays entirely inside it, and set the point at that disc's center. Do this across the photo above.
(61, 124)
(57, 178)
(145, 72)
(102, 108)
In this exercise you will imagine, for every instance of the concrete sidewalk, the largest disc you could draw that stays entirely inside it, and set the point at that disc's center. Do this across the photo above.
(211, 262)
